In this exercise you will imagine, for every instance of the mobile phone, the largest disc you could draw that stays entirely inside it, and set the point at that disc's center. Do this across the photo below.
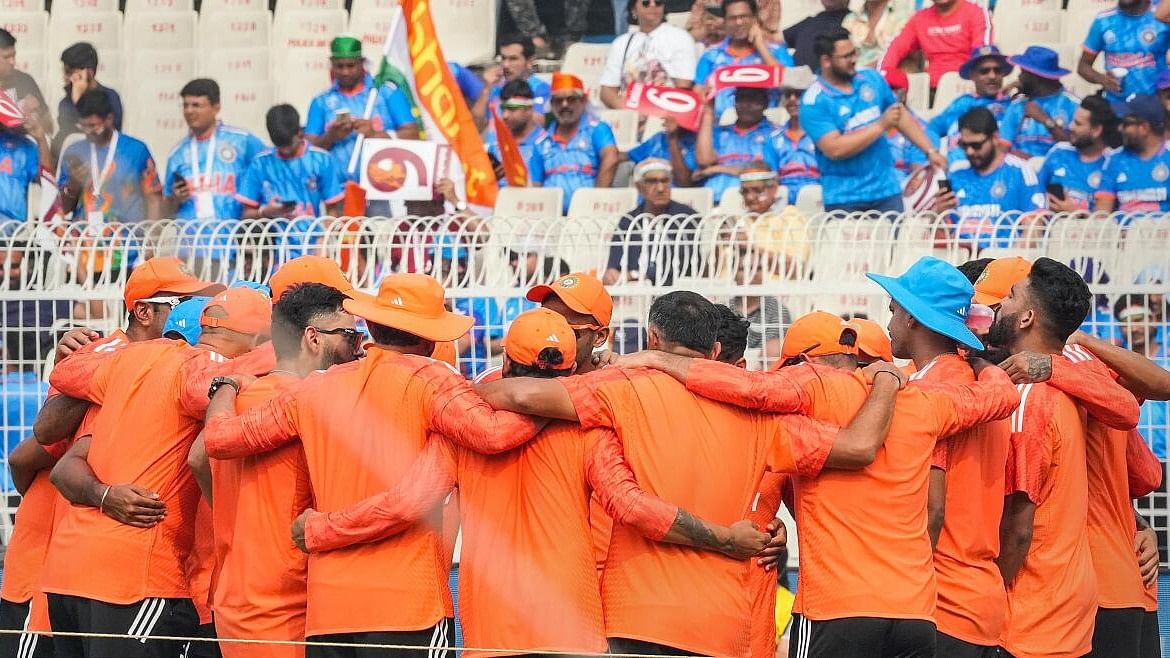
(944, 186)
(341, 115)
(288, 205)
(1056, 190)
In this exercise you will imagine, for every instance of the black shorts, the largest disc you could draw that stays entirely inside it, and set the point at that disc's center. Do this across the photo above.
(1117, 633)
(139, 621)
(953, 647)
(14, 617)
(432, 642)
(861, 637)
(204, 649)
(624, 645)
(1151, 637)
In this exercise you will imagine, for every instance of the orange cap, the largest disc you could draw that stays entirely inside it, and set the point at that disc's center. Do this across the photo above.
(537, 330)
(580, 292)
(998, 278)
(309, 269)
(445, 351)
(816, 334)
(244, 310)
(165, 274)
(562, 82)
(413, 303)
(872, 339)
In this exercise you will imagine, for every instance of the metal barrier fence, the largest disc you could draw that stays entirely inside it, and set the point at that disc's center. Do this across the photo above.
(771, 268)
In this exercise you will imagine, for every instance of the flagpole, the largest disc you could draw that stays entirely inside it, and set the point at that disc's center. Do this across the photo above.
(357, 147)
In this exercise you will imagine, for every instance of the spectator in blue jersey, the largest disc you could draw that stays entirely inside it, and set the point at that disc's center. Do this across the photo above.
(795, 149)
(722, 151)
(205, 169)
(352, 106)
(20, 159)
(109, 176)
(1039, 116)
(1135, 178)
(469, 83)
(746, 43)
(986, 69)
(988, 185)
(516, 109)
(657, 53)
(515, 56)
(1164, 92)
(79, 64)
(292, 179)
(674, 144)
(908, 158)
(1135, 43)
(847, 112)
(578, 151)
(656, 240)
(1071, 174)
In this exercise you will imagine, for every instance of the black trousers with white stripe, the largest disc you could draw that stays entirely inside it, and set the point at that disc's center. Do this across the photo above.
(433, 642)
(14, 617)
(861, 637)
(140, 621)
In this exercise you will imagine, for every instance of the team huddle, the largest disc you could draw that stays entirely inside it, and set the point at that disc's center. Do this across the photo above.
(241, 467)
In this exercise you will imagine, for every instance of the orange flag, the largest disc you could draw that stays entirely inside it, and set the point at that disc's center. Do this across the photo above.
(515, 168)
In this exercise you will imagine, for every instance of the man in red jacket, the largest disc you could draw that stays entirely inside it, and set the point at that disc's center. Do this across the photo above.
(945, 33)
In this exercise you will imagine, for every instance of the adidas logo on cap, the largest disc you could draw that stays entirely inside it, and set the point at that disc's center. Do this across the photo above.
(552, 338)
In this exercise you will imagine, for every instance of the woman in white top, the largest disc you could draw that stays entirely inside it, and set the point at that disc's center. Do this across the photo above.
(656, 53)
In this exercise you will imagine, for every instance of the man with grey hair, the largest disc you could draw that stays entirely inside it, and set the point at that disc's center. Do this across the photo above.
(646, 244)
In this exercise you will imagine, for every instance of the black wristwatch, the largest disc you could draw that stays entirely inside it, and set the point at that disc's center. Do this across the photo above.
(222, 381)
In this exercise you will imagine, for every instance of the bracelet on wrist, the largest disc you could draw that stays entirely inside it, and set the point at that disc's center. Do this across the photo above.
(102, 502)
(887, 372)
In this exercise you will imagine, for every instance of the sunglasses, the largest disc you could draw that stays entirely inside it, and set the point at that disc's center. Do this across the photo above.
(974, 146)
(354, 336)
(989, 70)
(653, 3)
(579, 329)
(169, 300)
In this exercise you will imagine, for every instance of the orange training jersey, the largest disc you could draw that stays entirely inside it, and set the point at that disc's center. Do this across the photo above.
(362, 425)
(972, 601)
(1052, 602)
(855, 562)
(260, 589)
(677, 596)
(765, 505)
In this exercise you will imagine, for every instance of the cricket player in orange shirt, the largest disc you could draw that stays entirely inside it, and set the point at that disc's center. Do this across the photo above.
(867, 585)
(22, 602)
(1045, 556)
(527, 580)
(361, 426)
(156, 385)
(663, 599)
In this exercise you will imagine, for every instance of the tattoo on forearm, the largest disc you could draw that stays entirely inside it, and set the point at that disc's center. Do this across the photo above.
(696, 531)
(1039, 367)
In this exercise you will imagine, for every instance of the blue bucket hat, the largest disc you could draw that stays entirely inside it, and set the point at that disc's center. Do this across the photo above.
(936, 294)
(258, 287)
(1040, 61)
(985, 52)
(1144, 107)
(184, 319)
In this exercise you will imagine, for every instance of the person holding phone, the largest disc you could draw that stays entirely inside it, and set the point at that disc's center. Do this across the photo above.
(79, 65)
(1071, 173)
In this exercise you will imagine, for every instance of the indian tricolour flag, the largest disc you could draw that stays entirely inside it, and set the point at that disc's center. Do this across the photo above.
(413, 61)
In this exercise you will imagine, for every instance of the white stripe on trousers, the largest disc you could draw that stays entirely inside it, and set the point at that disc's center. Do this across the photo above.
(147, 617)
(27, 645)
(162, 604)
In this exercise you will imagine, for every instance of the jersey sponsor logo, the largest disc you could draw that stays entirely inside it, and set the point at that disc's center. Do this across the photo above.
(998, 190)
(1161, 172)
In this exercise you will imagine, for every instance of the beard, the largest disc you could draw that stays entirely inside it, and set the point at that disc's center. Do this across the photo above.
(994, 355)
(1002, 333)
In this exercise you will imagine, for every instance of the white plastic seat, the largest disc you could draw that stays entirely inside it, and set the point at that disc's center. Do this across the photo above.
(810, 199)
(147, 6)
(244, 104)
(231, 64)
(529, 202)
(103, 29)
(597, 202)
(466, 29)
(30, 27)
(950, 87)
(625, 127)
(286, 6)
(306, 29)
(586, 61)
(699, 198)
(209, 7)
(918, 95)
(1007, 6)
(165, 30)
(371, 5)
(301, 75)
(65, 7)
(371, 26)
(154, 115)
(158, 64)
(1015, 31)
(9, 8)
(237, 29)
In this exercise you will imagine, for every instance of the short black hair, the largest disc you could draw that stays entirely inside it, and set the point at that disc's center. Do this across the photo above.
(1062, 296)
(1128, 300)
(516, 89)
(81, 55)
(826, 41)
(296, 309)
(525, 43)
(94, 103)
(752, 93)
(284, 124)
(6, 39)
(1101, 114)
(973, 269)
(686, 318)
(755, 8)
(205, 87)
(979, 120)
(732, 334)
(549, 355)
(384, 335)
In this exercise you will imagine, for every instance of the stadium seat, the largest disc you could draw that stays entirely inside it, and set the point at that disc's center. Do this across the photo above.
(156, 64)
(728, 117)
(371, 5)
(29, 27)
(810, 199)
(1015, 31)
(87, 7)
(301, 74)
(918, 95)
(699, 198)
(11, 7)
(154, 115)
(597, 202)
(147, 6)
(101, 28)
(109, 68)
(796, 11)
(243, 64)
(950, 87)
(287, 6)
(732, 200)
(679, 19)
(237, 29)
(1145, 252)
(653, 125)
(232, 6)
(371, 26)
(529, 202)
(1012, 6)
(244, 104)
(586, 61)
(1094, 6)
(844, 250)
(466, 29)
(306, 29)
(161, 30)
(625, 127)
